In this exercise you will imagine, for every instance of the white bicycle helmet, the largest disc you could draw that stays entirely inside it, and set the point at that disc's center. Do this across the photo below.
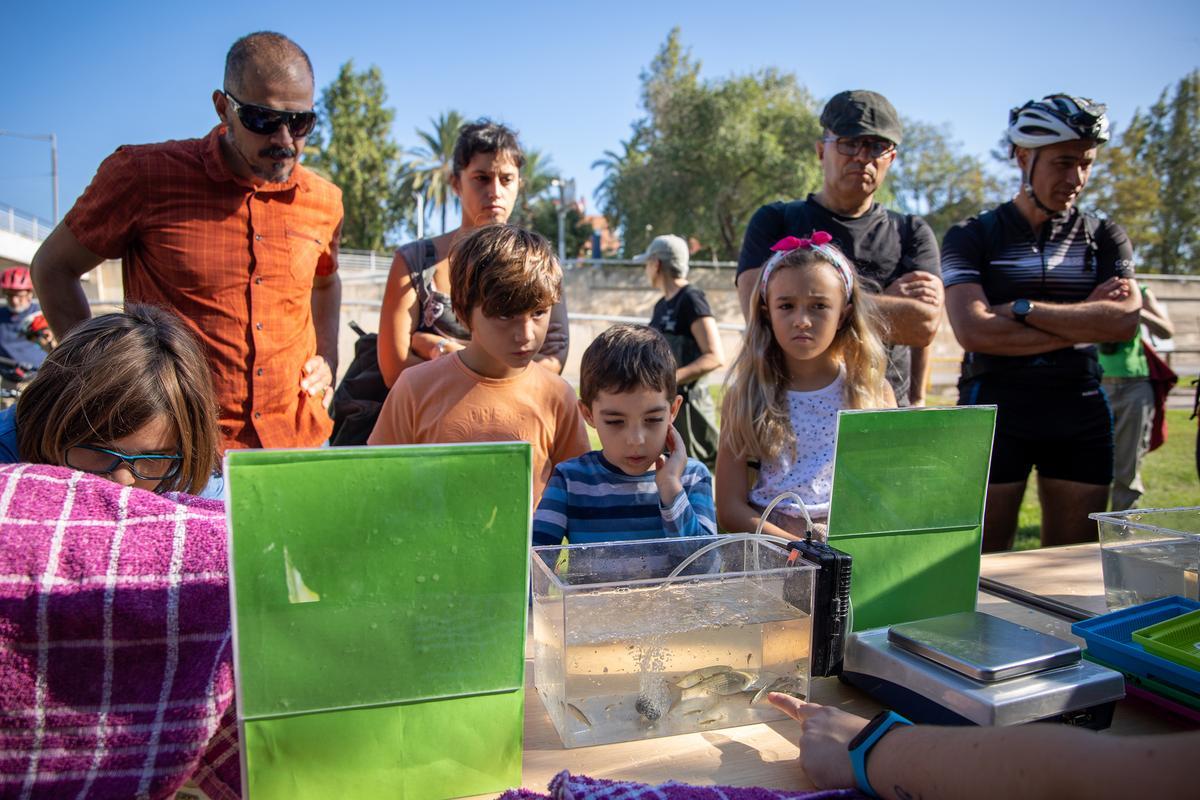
(1057, 118)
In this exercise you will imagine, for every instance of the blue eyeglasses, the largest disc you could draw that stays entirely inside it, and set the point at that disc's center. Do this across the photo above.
(102, 461)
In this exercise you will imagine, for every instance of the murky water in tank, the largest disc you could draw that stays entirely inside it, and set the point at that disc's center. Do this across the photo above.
(647, 662)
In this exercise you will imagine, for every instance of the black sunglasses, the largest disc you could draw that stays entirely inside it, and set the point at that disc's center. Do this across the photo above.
(265, 121)
(102, 461)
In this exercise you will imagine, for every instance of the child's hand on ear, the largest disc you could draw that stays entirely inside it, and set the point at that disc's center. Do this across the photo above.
(669, 468)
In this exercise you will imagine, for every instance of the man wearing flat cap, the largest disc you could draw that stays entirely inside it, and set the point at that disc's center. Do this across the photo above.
(898, 252)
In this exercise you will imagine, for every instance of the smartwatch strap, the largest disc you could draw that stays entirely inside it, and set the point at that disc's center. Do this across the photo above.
(883, 723)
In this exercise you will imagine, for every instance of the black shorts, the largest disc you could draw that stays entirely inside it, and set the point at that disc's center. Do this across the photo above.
(1063, 427)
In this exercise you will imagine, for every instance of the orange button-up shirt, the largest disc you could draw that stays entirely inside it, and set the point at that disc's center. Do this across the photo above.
(236, 261)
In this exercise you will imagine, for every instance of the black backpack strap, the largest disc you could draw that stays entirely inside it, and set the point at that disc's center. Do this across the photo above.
(419, 256)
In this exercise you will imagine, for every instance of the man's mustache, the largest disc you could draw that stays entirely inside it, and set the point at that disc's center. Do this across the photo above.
(277, 153)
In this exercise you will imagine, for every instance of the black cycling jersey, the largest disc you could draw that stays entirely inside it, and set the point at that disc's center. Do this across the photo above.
(1063, 264)
(1051, 411)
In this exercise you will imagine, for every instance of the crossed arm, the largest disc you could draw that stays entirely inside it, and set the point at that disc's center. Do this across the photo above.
(1109, 314)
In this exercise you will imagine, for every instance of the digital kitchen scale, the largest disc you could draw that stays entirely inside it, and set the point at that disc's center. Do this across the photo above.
(972, 668)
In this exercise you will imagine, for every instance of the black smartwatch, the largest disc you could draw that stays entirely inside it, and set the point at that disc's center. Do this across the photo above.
(1021, 309)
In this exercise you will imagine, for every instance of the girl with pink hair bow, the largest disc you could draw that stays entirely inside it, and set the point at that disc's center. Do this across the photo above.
(812, 347)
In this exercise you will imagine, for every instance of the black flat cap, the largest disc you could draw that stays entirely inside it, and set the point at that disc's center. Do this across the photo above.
(862, 113)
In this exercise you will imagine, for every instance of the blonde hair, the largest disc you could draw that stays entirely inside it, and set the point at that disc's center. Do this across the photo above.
(755, 418)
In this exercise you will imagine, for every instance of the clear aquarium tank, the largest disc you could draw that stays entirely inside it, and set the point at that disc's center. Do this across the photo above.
(636, 640)
(1149, 553)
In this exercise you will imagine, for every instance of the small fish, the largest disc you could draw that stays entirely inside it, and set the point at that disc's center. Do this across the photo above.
(696, 676)
(579, 715)
(787, 685)
(722, 684)
(764, 691)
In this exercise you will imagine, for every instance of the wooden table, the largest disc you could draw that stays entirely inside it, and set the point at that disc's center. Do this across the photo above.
(766, 754)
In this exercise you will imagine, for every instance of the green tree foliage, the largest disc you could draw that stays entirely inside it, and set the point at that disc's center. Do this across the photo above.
(577, 231)
(353, 147)
(1125, 187)
(537, 178)
(433, 167)
(708, 153)
(932, 177)
(1148, 180)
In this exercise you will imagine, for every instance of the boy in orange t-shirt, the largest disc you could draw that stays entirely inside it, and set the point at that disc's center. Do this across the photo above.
(503, 282)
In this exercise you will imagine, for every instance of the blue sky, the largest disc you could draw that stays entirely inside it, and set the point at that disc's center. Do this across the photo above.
(102, 74)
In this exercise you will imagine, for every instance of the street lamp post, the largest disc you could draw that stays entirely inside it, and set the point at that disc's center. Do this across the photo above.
(562, 211)
(53, 140)
(420, 198)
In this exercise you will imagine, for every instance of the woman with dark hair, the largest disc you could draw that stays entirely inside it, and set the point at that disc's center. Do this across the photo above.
(127, 396)
(417, 322)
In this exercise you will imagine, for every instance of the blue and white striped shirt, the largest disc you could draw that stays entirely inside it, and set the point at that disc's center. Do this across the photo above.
(589, 500)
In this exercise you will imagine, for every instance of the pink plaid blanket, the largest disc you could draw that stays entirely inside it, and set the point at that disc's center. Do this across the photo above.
(116, 669)
(566, 786)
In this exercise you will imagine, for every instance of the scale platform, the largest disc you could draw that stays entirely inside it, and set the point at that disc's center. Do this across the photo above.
(975, 669)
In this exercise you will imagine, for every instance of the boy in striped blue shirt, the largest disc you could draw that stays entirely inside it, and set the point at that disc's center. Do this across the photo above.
(641, 484)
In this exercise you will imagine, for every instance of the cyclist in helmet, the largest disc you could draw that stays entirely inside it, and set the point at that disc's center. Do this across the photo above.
(19, 357)
(1029, 286)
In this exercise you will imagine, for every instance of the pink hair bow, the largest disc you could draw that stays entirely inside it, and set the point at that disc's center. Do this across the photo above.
(819, 242)
(789, 243)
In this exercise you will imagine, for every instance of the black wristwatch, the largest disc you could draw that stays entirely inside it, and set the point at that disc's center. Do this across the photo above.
(1021, 309)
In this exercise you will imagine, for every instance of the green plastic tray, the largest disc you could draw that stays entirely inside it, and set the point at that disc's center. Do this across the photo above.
(1176, 639)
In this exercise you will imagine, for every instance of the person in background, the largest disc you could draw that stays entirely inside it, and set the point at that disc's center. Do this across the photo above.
(126, 396)
(894, 251)
(892, 758)
(1133, 400)
(418, 321)
(812, 347)
(640, 484)
(504, 281)
(1029, 285)
(232, 233)
(19, 357)
(684, 317)
(37, 330)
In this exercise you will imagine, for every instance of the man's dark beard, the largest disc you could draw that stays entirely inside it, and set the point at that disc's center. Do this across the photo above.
(275, 174)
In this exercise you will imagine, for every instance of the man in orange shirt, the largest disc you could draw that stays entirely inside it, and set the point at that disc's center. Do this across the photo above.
(233, 234)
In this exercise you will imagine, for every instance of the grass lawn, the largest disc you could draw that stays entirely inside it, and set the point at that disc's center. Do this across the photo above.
(1169, 474)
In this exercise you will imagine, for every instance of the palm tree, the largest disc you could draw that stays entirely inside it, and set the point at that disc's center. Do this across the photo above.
(613, 163)
(537, 176)
(434, 166)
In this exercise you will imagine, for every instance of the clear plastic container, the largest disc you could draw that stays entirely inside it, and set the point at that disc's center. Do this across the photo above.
(624, 651)
(1149, 553)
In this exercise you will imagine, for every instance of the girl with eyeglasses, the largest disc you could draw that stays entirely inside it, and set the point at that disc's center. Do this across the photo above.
(127, 396)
